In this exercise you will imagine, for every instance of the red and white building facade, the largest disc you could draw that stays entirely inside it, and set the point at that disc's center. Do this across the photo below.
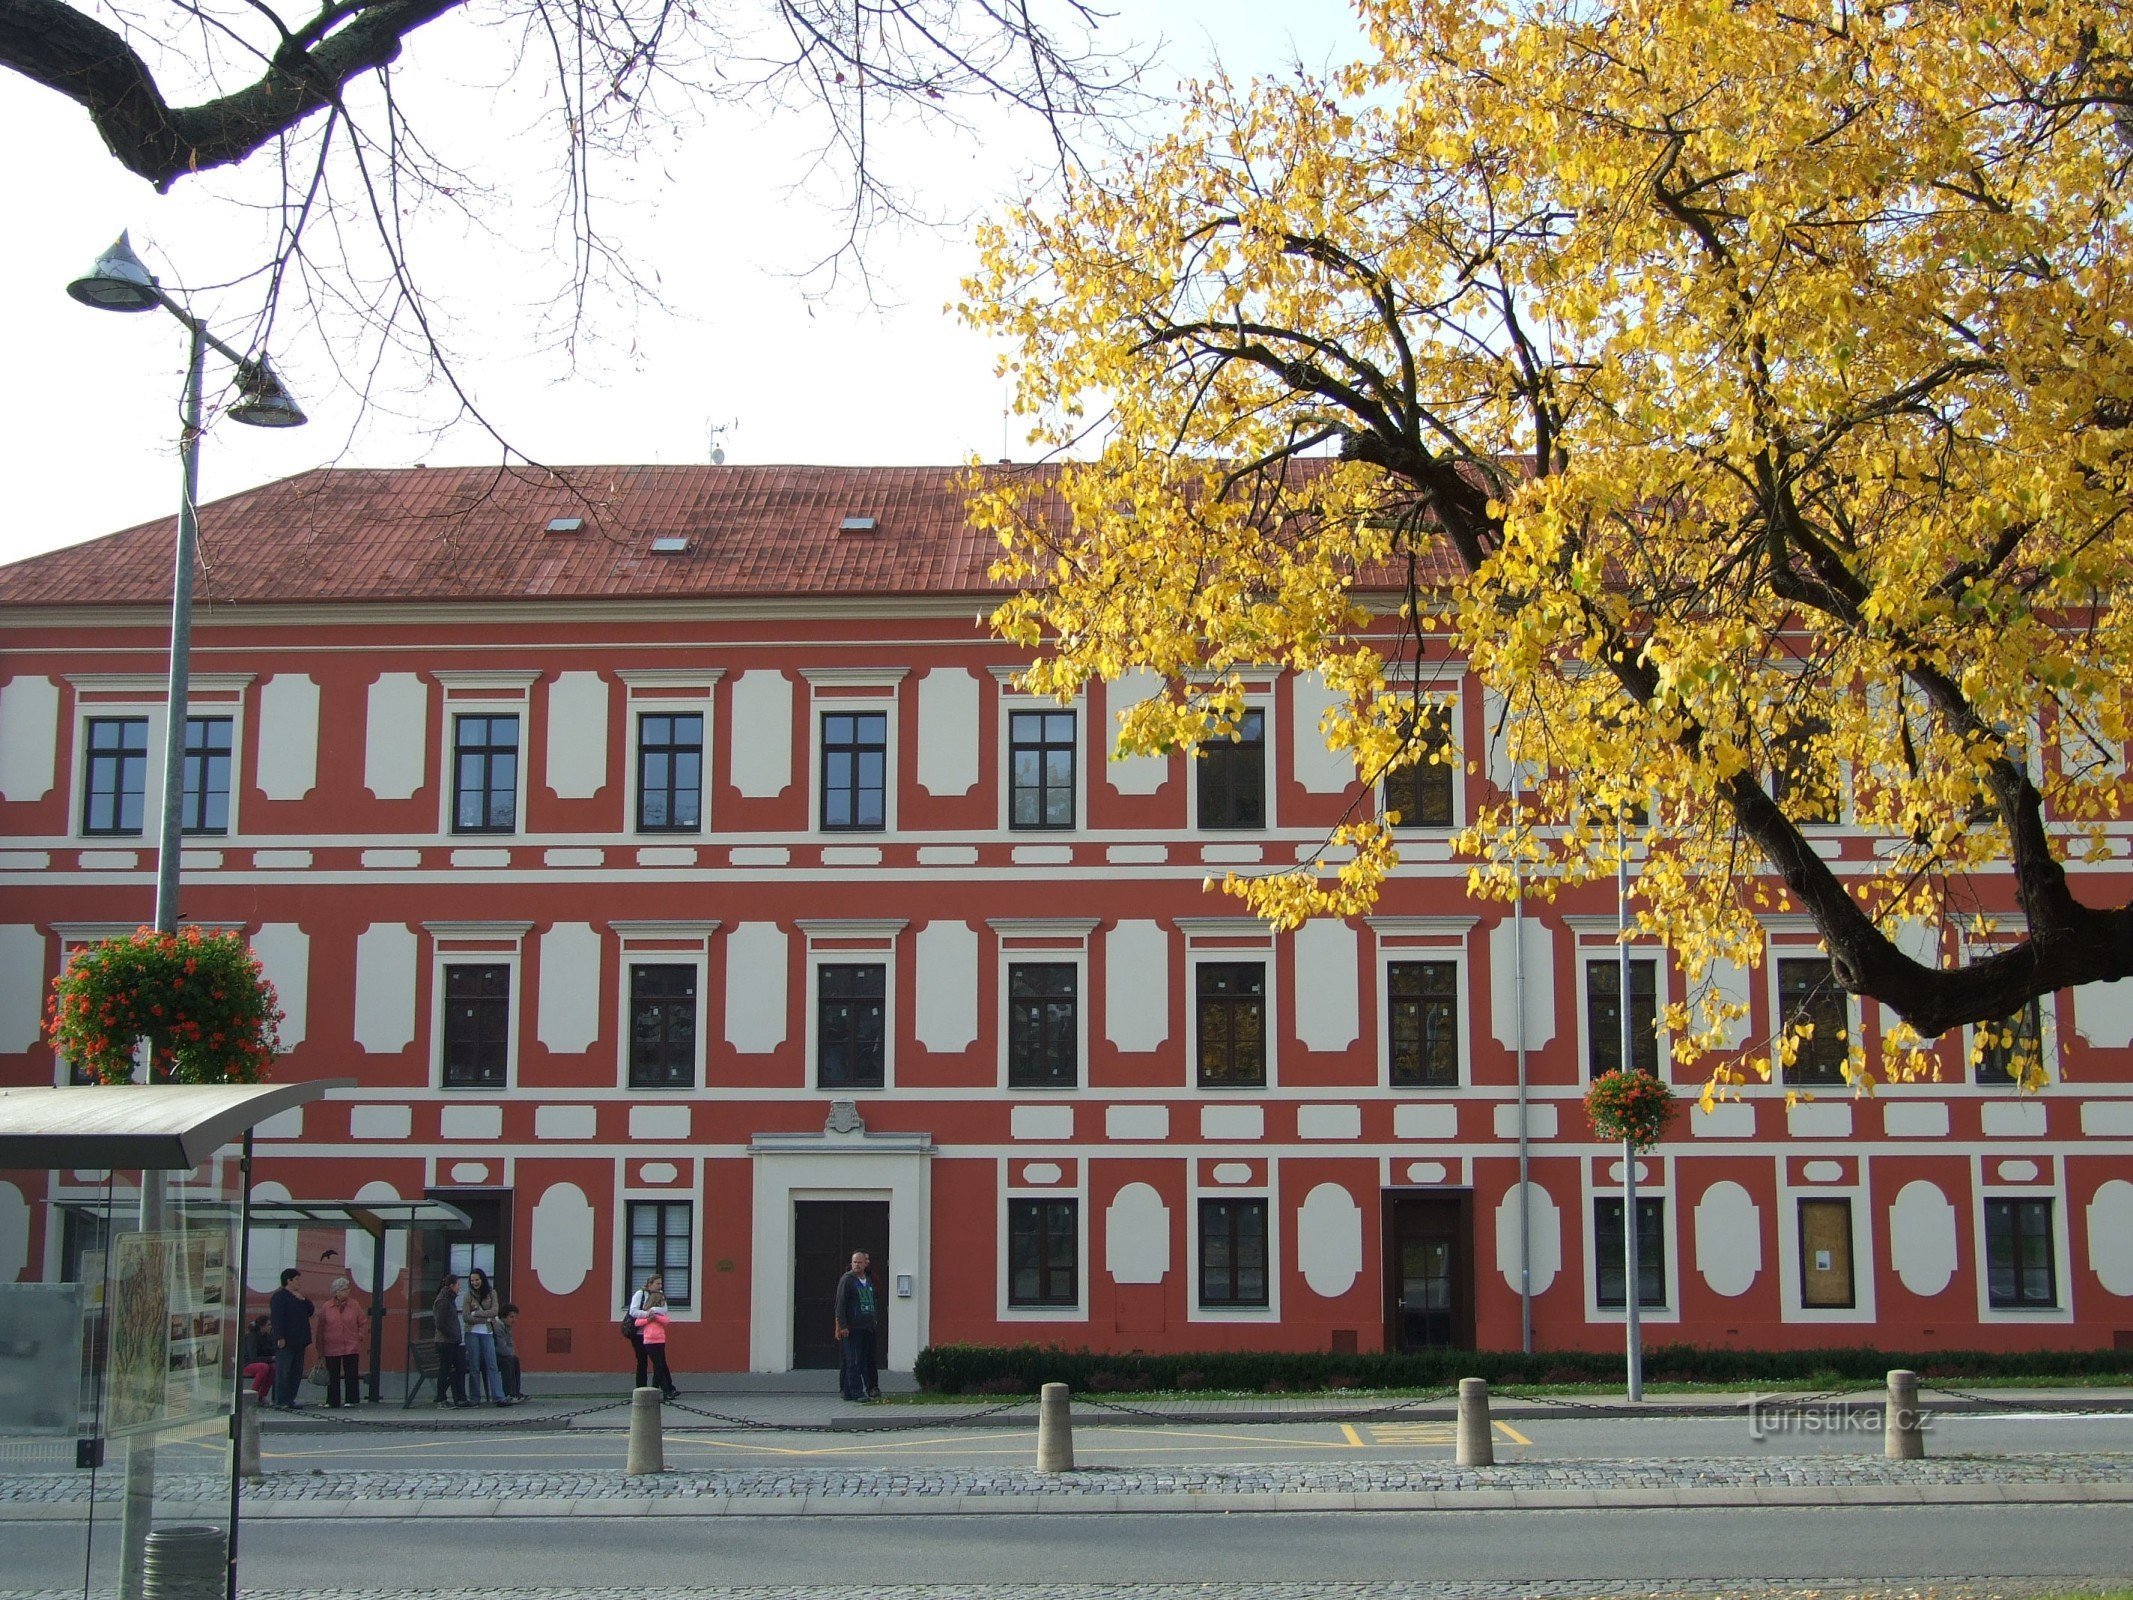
(671, 861)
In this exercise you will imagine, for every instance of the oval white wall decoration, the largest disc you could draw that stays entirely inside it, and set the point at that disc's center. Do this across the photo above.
(1329, 1240)
(14, 1233)
(356, 1246)
(1922, 1238)
(1544, 1231)
(1823, 1171)
(469, 1172)
(2111, 1236)
(658, 1172)
(1427, 1172)
(273, 1249)
(1231, 1172)
(1614, 1172)
(1041, 1172)
(1137, 1235)
(1729, 1239)
(562, 1252)
(2018, 1172)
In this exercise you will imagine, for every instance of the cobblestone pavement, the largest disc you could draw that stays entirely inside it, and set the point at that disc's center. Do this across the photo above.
(1830, 1589)
(2108, 1474)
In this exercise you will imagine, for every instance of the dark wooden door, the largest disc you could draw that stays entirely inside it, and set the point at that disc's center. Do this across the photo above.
(824, 1235)
(1429, 1272)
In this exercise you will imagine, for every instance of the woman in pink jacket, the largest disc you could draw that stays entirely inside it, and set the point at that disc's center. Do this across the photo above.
(340, 1327)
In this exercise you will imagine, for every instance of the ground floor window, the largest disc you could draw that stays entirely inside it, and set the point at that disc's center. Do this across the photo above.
(1233, 1253)
(659, 1242)
(1043, 1254)
(2020, 1272)
(1608, 1247)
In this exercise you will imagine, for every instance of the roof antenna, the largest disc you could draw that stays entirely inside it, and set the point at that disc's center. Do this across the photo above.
(713, 433)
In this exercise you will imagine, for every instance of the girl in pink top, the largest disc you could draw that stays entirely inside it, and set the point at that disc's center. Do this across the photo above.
(652, 1329)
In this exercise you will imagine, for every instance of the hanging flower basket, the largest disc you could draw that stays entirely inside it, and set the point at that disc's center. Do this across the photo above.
(199, 999)
(1630, 1107)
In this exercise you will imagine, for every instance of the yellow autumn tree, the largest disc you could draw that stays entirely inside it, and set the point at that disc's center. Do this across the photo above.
(1740, 392)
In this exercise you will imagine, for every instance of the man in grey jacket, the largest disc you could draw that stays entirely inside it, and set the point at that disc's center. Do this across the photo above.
(451, 1352)
(858, 1326)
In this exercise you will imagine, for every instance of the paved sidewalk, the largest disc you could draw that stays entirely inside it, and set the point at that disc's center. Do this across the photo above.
(1524, 1589)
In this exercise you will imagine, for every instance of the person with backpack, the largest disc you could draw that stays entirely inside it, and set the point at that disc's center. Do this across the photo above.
(648, 1309)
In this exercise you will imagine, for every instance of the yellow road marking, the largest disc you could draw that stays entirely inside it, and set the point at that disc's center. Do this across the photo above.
(1432, 1433)
(1512, 1433)
(1354, 1438)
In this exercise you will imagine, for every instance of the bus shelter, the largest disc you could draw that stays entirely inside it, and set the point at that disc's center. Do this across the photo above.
(128, 1369)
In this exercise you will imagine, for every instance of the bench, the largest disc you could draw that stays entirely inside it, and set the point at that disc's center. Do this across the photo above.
(423, 1366)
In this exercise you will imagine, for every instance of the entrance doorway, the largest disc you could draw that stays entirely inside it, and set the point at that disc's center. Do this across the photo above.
(824, 1235)
(1429, 1271)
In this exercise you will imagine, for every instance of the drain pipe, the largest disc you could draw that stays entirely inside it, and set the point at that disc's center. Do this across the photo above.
(1525, 1141)
(1632, 1275)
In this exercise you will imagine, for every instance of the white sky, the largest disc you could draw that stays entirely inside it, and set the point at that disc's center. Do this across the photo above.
(89, 418)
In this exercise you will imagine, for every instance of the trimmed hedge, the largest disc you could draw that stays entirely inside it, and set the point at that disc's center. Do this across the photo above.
(1022, 1369)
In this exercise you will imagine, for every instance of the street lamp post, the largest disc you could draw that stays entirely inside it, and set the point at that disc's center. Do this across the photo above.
(120, 281)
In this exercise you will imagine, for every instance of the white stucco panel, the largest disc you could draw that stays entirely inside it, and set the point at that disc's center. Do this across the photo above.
(356, 1246)
(14, 1233)
(1914, 1119)
(2012, 1119)
(577, 735)
(1137, 986)
(1137, 1236)
(1327, 1004)
(288, 736)
(1922, 1238)
(947, 986)
(284, 952)
(947, 731)
(2103, 1014)
(1544, 1234)
(29, 737)
(562, 1249)
(385, 987)
(1329, 1240)
(1729, 982)
(1540, 983)
(1135, 774)
(2110, 1236)
(567, 1017)
(273, 1249)
(1729, 1239)
(1318, 769)
(2107, 1119)
(755, 988)
(762, 733)
(1727, 1119)
(395, 735)
(21, 986)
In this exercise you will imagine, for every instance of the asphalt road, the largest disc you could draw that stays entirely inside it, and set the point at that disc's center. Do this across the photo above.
(1919, 1544)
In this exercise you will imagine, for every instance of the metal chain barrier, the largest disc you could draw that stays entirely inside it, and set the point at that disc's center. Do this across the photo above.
(1390, 1408)
(916, 1424)
(2099, 1405)
(406, 1417)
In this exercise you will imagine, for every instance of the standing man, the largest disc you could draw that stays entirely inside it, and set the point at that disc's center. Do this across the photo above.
(857, 1326)
(451, 1354)
(289, 1325)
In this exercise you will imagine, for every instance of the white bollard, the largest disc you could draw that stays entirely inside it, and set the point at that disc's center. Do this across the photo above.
(1477, 1444)
(1055, 1429)
(648, 1445)
(248, 1435)
(1902, 1439)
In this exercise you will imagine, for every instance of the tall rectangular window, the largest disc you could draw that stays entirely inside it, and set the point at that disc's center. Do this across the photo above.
(1603, 1015)
(115, 775)
(1233, 776)
(1040, 754)
(662, 1025)
(1233, 1252)
(659, 1242)
(851, 1006)
(1608, 1246)
(1803, 781)
(206, 807)
(670, 772)
(1230, 1000)
(1043, 1252)
(1808, 993)
(2013, 1047)
(855, 769)
(1043, 1024)
(1422, 1024)
(485, 773)
(2021, 1270)
(477, 1026)
(1420, 787)
(1826, 1254)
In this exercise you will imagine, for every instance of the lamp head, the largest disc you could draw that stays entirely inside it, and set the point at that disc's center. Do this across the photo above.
(119, 281)
(262, 401)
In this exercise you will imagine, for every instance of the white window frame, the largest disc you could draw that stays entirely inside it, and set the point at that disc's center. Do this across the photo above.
(856, 941)
(1012, 700)
(472, 944)
(1453, 705)
(854, 689)
(658, 693)
(1422, 939)
(2049, 1184)
(671, 944)
(1270, 1192)
(1792, 1306)
(1231, 940)
(2047, 1037)
(1053, 941)
(1258, 696)
(690, 1193)
(1660, 1186)
(1075, 1189)
(110, 695)
(1796, 939)
(482, 694)
(1594, 939)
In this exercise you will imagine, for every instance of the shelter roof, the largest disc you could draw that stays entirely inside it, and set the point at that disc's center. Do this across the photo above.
(165, 1127)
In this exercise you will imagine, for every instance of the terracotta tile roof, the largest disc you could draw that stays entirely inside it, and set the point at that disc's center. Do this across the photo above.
(476, 533)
